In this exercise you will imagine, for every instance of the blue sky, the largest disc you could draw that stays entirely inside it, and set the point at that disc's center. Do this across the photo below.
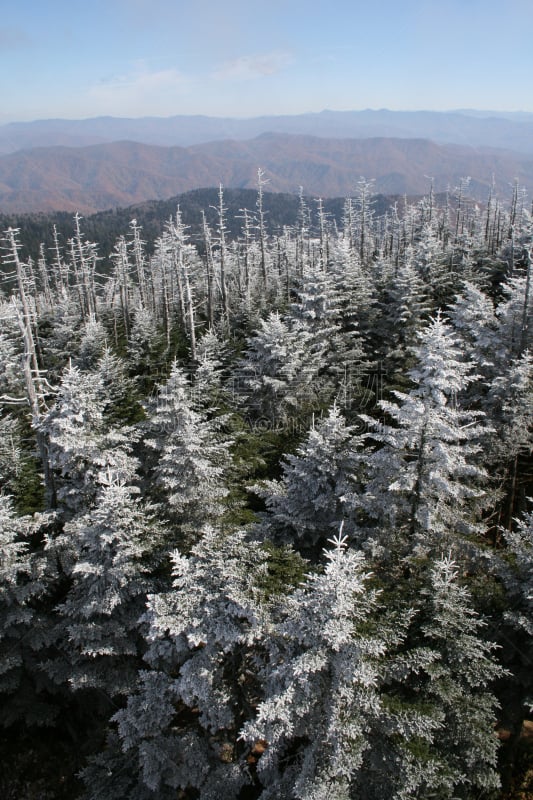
(245, 58)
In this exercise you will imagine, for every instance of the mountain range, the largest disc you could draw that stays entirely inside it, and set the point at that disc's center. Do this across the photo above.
(512, 131)
(79, 165)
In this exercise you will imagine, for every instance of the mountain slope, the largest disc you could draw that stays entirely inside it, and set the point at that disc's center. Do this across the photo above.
(103, 176)
(473, 128)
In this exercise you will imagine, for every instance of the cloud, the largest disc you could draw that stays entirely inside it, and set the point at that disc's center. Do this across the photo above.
(247, 68)
(141, 91)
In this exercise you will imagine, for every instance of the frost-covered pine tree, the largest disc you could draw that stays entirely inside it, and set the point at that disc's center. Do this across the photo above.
(82, 445)
(192, 456)
(515, 316)
(179, 730)
(73, 426)
(277, 376)
(425, 483)
(519, 580)
(104, 554)
(474, 319)
(120, 406)
(405, 304)
(92, 344)
(209, 392)
(11, 356)
(23, 581)
(145, 346)
(509, 407)
(319, 487)
(457, 682)
(322, 707)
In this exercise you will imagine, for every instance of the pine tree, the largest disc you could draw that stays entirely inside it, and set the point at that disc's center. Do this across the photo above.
(322, 705)
(424, 480)
(319, 487)
(82, 444)
(192, 456)
(519, 584)
(458, 683)
(404, 305)
(208, 387)
(179, 730)
(92, 344)
(277, 376)
(509, 407)
(103, 553)
(23, 581)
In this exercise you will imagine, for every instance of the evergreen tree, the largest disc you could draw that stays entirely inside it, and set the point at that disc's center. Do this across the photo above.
(319, 487)
(278, 374)
(458, 683)
(103, 553)
(424, 480)
(180, 729)
(209, 390)
(92, 344)
(404, 305)
(82, 445)
(519, 581)
(322, 702)
(192, 456)
(23, 581)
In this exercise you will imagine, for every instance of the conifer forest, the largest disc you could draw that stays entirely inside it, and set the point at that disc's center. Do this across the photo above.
(265, 519)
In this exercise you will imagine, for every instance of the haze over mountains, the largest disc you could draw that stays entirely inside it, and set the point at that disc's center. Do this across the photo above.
(512, 131)
(95, 164)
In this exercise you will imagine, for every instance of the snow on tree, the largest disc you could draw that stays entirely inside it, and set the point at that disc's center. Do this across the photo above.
(92, 343)
(515, 317)
(192, 455)
(208, 386)
(145, 345)
(322, 704)
(119, 401)
(329, 311)
(11, 356)
(23, 580)
(519, 582)
(103, 553)
(354, 288)
(405, 305)
(458, 683)
(475, 322)
(81, 446)
(319, 487)
(180, 729)
(278, 374)
(509, 407)
(520, 543)
(424, 480)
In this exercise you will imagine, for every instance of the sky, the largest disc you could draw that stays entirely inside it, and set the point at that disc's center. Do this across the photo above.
(244, 58)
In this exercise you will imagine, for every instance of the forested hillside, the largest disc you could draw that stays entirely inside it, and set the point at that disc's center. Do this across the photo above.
(265, 519)
(105, 176)
(281, 211)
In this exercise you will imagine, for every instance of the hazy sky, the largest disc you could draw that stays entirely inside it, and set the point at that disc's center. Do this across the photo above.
(243, 58)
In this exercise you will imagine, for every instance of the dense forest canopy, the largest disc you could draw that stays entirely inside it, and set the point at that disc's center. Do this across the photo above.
(265, 517)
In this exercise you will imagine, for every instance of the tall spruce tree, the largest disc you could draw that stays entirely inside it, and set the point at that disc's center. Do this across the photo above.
(179, 730)
(319, 487)
(103, 552)
(192, 456)
(425, 483)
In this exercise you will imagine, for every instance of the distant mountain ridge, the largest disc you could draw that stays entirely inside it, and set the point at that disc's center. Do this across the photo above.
(509, 130)
(118, 174)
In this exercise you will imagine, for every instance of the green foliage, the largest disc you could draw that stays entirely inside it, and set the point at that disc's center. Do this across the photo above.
(28, 493)
(285, 571)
